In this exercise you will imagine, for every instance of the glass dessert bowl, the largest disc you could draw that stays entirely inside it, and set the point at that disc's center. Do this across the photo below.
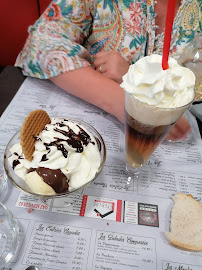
(22, 185)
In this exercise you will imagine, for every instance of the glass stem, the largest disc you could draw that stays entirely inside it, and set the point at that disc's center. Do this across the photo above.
(132, 171)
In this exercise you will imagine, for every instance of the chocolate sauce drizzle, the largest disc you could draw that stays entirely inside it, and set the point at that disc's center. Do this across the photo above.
(76, 141)
(16, 161)
(37, 138)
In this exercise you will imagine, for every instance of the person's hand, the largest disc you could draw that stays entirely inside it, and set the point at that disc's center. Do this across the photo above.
(180, 130)
(111, 64)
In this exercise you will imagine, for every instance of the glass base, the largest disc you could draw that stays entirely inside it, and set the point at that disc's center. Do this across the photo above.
(134, 180)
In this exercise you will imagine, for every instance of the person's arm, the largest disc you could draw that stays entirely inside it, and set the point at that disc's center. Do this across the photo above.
(91, 86)
(55, 42)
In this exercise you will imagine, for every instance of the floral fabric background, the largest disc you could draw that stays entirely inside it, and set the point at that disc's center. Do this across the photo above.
(69, 33)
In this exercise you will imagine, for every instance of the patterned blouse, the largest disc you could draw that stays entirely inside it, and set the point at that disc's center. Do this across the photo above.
(70, 32)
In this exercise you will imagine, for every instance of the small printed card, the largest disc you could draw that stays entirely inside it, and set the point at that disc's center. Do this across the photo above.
(130, 212)
(141, 213)
(31, 202)
(104, 208)
(148, 214)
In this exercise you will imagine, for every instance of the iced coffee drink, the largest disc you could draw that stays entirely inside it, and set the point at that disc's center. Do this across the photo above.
(154, 100)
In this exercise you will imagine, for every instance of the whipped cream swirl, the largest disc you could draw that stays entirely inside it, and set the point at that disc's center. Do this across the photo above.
(150, 84)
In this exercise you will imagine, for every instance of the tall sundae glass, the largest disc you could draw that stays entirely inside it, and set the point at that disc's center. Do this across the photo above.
(154, 100)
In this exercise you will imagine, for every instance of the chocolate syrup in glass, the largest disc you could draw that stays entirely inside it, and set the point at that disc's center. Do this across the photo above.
(142, 140)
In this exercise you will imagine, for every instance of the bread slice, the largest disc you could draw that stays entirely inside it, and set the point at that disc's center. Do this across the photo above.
(186, 223)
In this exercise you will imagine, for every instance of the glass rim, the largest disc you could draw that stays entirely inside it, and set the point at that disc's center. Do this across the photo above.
(160, 108)
(63, 194)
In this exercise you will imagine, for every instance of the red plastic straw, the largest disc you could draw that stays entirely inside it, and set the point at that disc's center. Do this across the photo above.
(168, 32)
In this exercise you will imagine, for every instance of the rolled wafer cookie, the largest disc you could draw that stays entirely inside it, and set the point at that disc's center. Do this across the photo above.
(34, 123)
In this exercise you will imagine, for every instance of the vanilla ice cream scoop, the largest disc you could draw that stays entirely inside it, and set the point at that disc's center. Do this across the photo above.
(66, 157)
(35, 183)
(150, 84)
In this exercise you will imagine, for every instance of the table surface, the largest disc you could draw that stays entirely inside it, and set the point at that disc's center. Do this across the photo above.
(112, 224)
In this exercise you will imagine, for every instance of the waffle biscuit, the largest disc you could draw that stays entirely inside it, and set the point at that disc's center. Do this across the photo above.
(34, 123)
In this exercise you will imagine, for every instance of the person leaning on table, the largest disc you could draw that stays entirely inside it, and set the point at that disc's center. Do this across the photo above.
(86, 46)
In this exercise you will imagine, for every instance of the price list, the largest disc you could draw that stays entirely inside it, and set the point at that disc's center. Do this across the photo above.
(58, 247)
(122, 251)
